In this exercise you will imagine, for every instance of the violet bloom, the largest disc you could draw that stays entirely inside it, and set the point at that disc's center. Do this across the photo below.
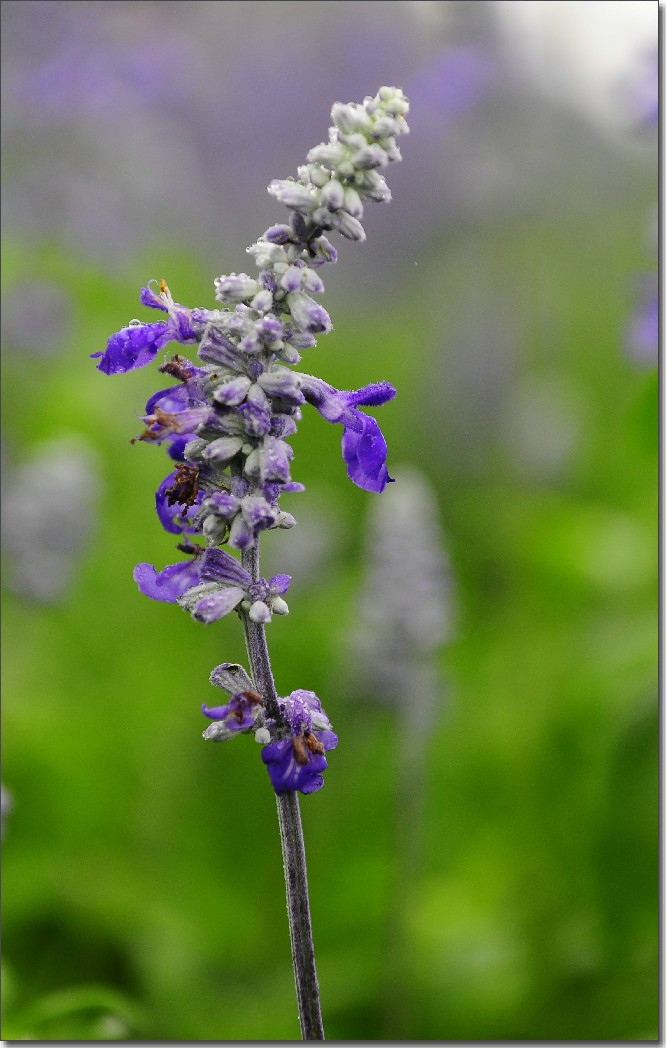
(214, 585)
(177, 502)
(239, 715)
(363, 446)
(170, 583)
(297, 763)
(137, 344)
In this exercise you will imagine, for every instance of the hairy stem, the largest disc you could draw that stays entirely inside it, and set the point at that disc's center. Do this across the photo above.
(291, 836)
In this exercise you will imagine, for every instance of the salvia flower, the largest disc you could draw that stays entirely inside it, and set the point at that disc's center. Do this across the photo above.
(227, 421)
(137, 344)
(297, 761)
(293, 749)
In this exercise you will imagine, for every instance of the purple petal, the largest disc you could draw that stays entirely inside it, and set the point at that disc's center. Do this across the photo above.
(238, 715)
(328, 739)
(170, 583)
(133, 347)
(170, 400)
(376, 393)
(175, 518)
(216, 605)
(280, 583)
(177, 444)
(220, 566)
(215, 712)
(149, 298)
(286, 774)
(364, 452)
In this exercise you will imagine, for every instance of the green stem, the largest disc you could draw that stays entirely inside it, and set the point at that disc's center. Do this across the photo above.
(291, 835)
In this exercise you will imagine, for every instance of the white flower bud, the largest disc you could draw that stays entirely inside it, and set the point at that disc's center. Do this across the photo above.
(279, 606)
(235, 288)
(319, 176)
(370, 156)
(223, 449)
(260, 612)
(350, 118)
(312, 282)
(333, 195)
(293, 194)
(349, 226)
(352, 204)
(262, 301)
(285, 520)
(328, 154)
(266, 254)
(262, 736)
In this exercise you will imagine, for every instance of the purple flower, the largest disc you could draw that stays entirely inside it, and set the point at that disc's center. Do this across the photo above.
(363, 446)
(136, 345)
(642, 334)
(177, 500)
(170, 583)
(297, 763)
(238, 715)
(220, 585)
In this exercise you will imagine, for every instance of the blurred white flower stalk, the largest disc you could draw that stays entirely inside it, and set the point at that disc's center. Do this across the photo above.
(48, 512)
(404, 620)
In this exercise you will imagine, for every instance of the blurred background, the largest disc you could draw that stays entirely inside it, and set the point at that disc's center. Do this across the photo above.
(483, 857)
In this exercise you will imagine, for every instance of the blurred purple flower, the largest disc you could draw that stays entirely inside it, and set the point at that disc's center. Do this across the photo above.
(642, 333)
(49, 509)
(37, 317)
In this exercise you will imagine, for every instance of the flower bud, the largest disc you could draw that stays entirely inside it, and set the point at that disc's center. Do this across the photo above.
(293, 194)
(328, 154)
(370, 157)
(349, 226)
(235, 288)
(233, 392)
(260, 612)
(279, 234)
(350, 118)
(291, 281)
(325, 252)
(241, 535)
(223, 449)
(285, 520)
(280, 382)
(352, 203)
(307, 313)
(312, 282)
(266, 254)
(333, 195)
(262, 301)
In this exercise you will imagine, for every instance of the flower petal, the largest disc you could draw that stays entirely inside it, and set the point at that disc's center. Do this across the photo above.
(133, 347)
(364, 452)
(220, 566)
(170, 583)
(175, 517)
(215, 606)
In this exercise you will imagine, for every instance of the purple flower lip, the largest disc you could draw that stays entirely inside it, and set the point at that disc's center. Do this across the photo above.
(137, 344)
(240, 713)
(170, 583)
(180, 488)
(363, 446)
(297, 763)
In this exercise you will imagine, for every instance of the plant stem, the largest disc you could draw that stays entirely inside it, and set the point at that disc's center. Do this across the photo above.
(291, 836)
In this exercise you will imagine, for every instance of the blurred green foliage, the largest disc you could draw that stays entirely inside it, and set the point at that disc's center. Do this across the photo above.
(143, 893)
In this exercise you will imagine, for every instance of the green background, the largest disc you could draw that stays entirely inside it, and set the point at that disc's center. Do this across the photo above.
(143, 893)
